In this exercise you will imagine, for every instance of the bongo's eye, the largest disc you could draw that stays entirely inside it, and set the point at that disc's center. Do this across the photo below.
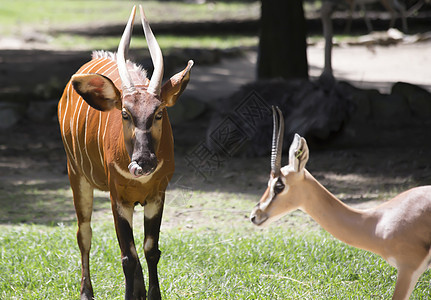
(125, 115)
(159, 115)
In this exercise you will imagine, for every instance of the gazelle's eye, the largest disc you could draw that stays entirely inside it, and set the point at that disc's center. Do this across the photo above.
(278, 186)
(125, 115)
(159, 115)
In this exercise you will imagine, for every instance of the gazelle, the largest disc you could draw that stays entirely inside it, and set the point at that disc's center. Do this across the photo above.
(398, 230)
(117, 138)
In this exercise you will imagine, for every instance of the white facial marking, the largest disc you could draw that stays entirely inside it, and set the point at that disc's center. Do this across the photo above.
(271, 184)
(142, 179)
(263, 205)
(286, 170)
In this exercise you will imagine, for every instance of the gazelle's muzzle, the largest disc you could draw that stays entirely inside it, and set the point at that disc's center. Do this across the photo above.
(258, 217)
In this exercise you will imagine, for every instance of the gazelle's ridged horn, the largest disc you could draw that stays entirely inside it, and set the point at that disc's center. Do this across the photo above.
(123, 49)
(277, 141)
(155, 85)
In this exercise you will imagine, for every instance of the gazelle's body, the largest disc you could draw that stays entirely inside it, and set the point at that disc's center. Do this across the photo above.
(399, 230)
(117, 138)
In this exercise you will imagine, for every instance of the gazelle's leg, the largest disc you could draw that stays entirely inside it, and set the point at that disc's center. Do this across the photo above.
(123, 217)
(152, 219)
(83, 201)
(406, 281)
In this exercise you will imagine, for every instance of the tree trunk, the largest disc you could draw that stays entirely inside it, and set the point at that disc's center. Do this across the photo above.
(282, 45)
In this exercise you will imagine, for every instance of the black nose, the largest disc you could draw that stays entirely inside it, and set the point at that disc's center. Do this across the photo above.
(148, 164)
(253, 219)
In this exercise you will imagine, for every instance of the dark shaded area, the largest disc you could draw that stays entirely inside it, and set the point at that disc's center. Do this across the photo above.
(36, 185)
(282, 41)
(245, 26)
(308, 109)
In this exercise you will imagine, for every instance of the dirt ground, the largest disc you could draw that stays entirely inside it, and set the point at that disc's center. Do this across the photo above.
(34, 186)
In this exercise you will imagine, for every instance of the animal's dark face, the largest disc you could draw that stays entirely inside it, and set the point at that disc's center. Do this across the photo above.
(142, 115)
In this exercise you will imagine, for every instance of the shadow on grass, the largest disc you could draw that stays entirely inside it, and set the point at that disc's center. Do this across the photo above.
(354, 175)
(46, 203)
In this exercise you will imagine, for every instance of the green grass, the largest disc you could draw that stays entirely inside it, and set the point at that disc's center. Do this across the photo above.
(21, 18)
(42, 262)
(49, 14)
(166, 42)
(210, 250)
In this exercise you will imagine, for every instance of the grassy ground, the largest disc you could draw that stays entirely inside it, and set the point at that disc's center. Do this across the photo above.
(166, 42)
(49, 14)
(40, 22)
(42, 262)
(210, 250)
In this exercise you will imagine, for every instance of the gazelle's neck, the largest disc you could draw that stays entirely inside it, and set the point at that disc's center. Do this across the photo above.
(352, 226)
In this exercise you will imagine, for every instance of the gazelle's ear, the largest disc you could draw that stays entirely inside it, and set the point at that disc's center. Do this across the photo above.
(97, 90)
(298, 153)
(173, 88)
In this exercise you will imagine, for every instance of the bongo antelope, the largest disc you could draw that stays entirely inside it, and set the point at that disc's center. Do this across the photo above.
(117, 138)
(399, 230)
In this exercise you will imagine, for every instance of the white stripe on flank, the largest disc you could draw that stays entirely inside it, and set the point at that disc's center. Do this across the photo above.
(106, 125)
(77, 136)
(72, 120)
(86, 148)
(72, 114)
(107, 115)
(98, 137)
(100, 120)
(69, 153)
